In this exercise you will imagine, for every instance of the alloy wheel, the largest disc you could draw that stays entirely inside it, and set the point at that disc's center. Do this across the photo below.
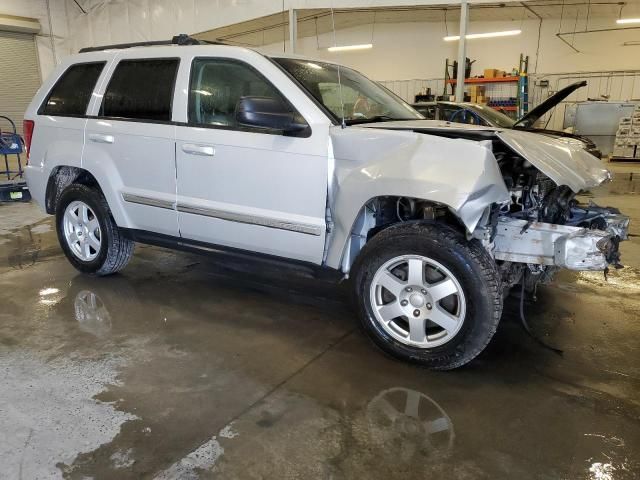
(418, 301)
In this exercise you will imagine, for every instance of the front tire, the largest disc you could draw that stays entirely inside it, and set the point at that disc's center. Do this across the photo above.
(427, 295)
(87, 233)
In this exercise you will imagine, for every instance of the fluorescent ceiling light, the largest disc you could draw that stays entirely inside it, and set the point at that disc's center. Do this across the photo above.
(628, 20)
(471, 36)
(345, 48)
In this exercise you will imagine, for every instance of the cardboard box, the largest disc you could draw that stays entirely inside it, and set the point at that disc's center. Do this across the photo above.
(475, 90)
(490, 73)
(623, 151)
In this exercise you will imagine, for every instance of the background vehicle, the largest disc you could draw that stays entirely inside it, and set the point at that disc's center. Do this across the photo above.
(484, 115)
(217, 147)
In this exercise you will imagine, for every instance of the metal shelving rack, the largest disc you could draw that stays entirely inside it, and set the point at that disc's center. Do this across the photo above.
(523, 86)
(522, 81)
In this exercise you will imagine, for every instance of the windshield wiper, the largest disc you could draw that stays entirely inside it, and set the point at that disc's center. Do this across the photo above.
(377, 118)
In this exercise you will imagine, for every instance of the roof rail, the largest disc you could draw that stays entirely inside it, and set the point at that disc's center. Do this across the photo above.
(182, 39)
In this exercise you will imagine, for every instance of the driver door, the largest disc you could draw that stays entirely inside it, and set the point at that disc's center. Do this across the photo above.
(250, 189)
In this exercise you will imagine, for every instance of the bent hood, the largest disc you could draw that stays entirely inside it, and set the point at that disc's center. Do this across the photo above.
(563, 162)
(566, 163)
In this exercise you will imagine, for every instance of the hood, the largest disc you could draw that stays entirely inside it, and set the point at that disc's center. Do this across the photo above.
(564, 162)
(428, 125)
(534, 115)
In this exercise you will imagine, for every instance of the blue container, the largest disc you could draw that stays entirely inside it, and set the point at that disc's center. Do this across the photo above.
(10, 144)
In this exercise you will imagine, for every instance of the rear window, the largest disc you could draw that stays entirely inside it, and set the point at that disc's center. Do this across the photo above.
(71, 94)
(141, 90)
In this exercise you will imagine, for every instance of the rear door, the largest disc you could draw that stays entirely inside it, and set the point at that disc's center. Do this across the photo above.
(250, 189)
(130, 140)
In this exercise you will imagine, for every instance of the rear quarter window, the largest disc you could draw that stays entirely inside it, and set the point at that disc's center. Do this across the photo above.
(71, 93)
(141, 90)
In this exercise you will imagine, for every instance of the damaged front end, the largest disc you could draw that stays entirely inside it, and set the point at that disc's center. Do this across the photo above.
(563, 246)
(544, 228)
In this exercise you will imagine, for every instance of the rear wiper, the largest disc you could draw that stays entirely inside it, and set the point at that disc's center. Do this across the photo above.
(377, 118)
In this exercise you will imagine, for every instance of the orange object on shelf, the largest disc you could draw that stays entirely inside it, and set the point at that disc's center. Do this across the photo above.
(487, 80)
(509, 108)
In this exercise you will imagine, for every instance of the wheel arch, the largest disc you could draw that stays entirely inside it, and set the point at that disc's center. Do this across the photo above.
(365, 226)
(62, 176)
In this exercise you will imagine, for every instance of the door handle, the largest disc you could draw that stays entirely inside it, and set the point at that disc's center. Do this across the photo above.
(193, 149)
(100, 138)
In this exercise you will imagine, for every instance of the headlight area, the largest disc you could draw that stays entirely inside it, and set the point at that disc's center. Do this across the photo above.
(563, 246)
(543, 224)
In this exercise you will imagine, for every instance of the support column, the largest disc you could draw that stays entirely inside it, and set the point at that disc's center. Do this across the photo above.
(462, 50)
(293, 30)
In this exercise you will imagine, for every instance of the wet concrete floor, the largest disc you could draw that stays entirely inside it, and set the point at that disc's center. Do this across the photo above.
(186, 367)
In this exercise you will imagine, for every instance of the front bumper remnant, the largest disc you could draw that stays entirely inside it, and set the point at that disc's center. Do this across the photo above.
(574, 248)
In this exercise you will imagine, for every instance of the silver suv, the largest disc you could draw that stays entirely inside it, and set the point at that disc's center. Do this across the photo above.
(200, 146)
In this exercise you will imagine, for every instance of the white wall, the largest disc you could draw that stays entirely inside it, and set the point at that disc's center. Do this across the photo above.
(417, 50)
(38, 9)
(121, 21)
(401, 51)
(408, 57)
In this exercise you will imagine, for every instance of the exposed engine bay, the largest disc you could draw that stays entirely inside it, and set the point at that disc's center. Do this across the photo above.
(544, 227)
(539, 230)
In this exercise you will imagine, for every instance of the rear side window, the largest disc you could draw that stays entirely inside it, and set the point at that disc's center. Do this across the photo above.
(71, 94)
(141, 90)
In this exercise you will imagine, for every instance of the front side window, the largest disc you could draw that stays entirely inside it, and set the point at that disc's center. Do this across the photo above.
(492, 117)
(71, 94)
(464, 115)
(216, 87)
(141, 90)
(347, 94)
(447, 112)
(427, 111)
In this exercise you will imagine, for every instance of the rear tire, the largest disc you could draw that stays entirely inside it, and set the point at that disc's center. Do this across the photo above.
(441, 317)
(87, 233)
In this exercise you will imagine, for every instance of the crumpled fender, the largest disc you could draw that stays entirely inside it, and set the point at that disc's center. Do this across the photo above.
(369, 163)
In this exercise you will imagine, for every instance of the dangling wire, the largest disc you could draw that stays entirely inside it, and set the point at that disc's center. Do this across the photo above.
(525, 325)
(335, 44)
(446, 27)
(284, 34)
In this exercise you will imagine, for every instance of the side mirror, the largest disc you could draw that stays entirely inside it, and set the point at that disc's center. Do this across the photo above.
(270, 114)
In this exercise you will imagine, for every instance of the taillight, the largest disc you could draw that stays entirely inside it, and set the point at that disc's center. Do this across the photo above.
(27, 128)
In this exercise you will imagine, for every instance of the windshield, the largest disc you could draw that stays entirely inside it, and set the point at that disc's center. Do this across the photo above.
(364, 100)
(494, 117)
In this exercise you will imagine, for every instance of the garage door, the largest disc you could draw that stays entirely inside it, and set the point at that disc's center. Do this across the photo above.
(19, 75)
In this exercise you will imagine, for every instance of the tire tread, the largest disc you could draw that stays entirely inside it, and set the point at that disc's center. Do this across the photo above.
(453, 240)
(119, 248)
